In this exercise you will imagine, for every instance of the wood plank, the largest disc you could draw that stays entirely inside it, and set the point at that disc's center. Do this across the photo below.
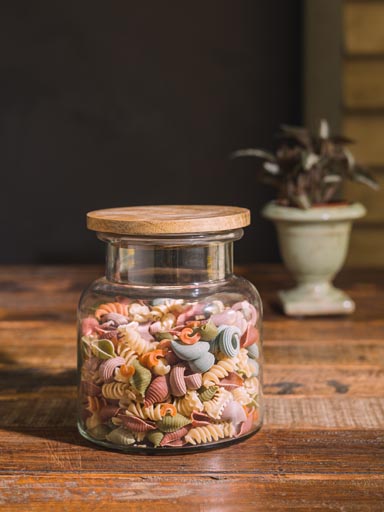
(50, 409)
(324, 352)
(322, 446)
(363, 27)
(368, 131)
(363, 84)
(44, 348)
(88, 492)
(334, 412)
(269, 452)
(372, 200)
(366, 247)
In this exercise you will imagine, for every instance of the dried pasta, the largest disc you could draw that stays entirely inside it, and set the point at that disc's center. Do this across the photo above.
(189, 403)
(168, 373)
(219, 370)
(205, 434)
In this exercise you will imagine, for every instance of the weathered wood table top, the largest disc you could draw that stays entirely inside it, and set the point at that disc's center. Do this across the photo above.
(321, 448)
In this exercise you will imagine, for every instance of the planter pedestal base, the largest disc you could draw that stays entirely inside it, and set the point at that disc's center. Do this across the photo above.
(323, 299)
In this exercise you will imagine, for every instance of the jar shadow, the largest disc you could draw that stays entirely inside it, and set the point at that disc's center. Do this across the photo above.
(38, 402)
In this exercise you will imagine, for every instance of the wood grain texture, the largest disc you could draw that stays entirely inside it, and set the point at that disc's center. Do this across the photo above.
(160, 220)
(363, 27)
(372, 200)
(367, 246)
(363, 83)
(368, 132)
(321, 448)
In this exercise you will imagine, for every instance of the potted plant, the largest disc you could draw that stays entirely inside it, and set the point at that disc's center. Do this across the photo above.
(313, 223)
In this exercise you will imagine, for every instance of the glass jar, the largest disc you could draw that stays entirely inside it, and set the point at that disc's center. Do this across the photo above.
(170, 339)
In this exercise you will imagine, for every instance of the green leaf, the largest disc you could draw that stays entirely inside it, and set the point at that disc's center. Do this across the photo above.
(258, 153)
(332, 178)
(362, 176)
(301, 200)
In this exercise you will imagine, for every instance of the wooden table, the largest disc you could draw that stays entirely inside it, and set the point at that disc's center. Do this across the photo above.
(321, 447)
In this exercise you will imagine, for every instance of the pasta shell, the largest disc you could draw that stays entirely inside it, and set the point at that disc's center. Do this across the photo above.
(233, 380)
(250, 337)
(249, 311)
(155, 437)
(103, 349)
(170, 437)
(233, 412)
(200, 419)
(136, 424)
(177, 380)
(89, 388)
(89, 326)
(99, 432)
(208, 332)
(143, 330)
(190, 313)
(189, 352)
(227, 317)
(208, 393)
(253, 351)
(116, 319)
(120, 436)
(158, 391)
(108, 412)
(193, 381)
(203, 363)
(141, 378)
(108, 367)
(172, 423)
(228, 340)
(247, 425)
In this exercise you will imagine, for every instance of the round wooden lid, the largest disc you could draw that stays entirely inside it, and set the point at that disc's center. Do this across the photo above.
(166, 220)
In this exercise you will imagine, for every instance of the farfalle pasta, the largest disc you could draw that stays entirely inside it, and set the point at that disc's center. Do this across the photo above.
(168, 373)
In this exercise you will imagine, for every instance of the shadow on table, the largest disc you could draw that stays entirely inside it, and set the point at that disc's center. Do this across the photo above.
(39, 403)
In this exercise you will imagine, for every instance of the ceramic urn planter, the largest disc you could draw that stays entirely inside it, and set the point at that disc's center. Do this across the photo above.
(313, 245)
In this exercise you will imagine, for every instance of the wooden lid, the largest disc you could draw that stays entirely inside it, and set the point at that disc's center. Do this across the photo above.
(166, 220)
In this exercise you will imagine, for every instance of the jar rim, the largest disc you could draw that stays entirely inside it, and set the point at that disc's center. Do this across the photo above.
(160, 220)
(171, 239)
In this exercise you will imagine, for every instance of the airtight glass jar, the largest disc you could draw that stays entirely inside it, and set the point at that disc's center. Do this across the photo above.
(170, 339)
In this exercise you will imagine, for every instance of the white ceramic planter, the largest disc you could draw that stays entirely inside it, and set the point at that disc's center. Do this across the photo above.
(313, 245)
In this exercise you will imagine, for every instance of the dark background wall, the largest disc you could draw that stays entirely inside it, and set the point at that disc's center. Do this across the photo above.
(117, 103)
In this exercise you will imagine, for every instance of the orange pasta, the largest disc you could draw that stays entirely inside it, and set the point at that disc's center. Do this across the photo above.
(185, 336)
(111, 307)
(168, 409)
(151, 359)
(127, 370)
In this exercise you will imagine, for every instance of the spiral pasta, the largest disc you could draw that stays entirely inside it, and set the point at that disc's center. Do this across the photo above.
(219, 370)
(229, 429)
(242, 396)
(246, 366)
(114, 390)
(126, 352)
(152, 412)
(189, 403)
(205, 434)
(139, 312)
(252, 386)
(132, 339)
(216, 405)
(111, 307)
(168, 306)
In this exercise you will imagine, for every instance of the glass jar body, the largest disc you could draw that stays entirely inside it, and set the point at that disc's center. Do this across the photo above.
(169, 363)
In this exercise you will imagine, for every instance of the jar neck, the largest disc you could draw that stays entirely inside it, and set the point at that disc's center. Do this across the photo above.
(169, 261)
